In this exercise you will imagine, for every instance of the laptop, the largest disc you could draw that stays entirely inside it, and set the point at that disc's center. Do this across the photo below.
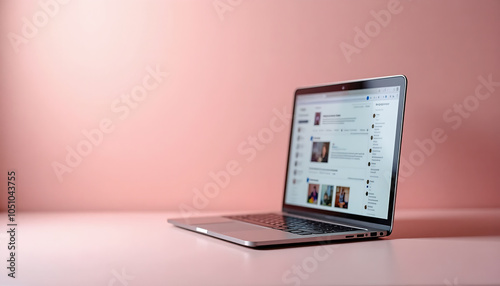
(342, 170)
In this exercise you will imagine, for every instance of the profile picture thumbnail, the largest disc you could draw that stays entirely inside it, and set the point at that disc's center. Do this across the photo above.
(320, 152)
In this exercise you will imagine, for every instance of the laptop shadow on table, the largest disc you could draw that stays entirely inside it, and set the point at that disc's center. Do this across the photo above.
(314, 243)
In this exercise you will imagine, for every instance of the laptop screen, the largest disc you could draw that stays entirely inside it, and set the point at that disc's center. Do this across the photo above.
(344, 147)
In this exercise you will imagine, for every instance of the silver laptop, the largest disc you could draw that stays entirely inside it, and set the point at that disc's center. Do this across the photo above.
(342, 169)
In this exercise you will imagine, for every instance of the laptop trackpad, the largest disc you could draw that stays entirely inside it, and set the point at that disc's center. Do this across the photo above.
(229, 226)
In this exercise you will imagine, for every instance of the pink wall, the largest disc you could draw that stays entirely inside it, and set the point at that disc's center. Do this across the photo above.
(222, 73)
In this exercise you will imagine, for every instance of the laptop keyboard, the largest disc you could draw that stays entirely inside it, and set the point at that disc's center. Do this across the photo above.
(291, 224)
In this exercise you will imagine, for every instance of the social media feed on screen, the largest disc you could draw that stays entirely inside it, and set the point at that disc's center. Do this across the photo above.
(341, 152)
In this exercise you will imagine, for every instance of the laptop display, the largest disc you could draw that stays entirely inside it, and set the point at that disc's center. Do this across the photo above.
(344, 148)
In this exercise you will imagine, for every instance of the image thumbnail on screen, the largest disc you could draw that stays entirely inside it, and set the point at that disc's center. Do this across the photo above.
(342, 197)
(312, 194)
(320, 152)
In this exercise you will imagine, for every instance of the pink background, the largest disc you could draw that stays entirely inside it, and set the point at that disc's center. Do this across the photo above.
(226, 75)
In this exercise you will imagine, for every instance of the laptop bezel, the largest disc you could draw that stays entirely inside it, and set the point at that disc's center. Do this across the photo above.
(397, 80)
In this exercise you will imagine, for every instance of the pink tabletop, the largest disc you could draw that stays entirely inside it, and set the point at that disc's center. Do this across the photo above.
(429, 248)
